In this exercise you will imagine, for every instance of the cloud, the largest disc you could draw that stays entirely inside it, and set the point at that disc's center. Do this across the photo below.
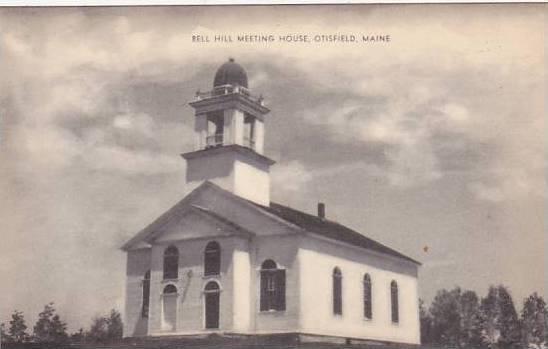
(423, 122)
(94, 116)
(291, 176)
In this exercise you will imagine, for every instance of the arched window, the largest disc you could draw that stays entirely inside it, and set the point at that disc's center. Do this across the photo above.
(169, 308)
(367, 300)
(212, 259)
(146, 294)
(272, 286)
(394, 301)
(171, 263)
(212, 304)
(337, 291)
(170, 290)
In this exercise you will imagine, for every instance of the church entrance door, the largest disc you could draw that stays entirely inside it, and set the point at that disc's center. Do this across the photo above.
(212, 303)
(169, 308)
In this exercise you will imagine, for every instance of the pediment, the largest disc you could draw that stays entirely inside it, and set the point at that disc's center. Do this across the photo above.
(205, 209)
(195, 223)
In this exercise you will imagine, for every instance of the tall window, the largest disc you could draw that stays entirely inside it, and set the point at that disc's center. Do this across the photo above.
(337, 291)
(272, 286)
(367, 301)
(394, 301)
(146, 294)
(212, 259)
(171, 263)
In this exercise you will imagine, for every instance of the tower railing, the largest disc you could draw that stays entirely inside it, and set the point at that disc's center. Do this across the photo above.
(249, 142)
(227, 90)
(214, 140)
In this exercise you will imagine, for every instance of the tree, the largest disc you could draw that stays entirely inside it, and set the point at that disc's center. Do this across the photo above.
(446, 317)
(106, 328)
(78, 337)
(533, 319)
(115, 326)
(470, 320)
(49, 327)
(499, 320)
(98, 331)
(455, 319)
(426, 323)
(17, 330)
(3, 333)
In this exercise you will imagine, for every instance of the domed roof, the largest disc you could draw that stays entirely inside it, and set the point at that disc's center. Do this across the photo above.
(230, 73)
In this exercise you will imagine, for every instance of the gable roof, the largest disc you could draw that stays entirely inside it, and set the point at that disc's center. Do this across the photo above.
(330, 229)
(165, 218)
(293, 218)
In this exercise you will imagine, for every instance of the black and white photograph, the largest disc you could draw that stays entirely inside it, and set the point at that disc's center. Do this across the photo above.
(273, 176)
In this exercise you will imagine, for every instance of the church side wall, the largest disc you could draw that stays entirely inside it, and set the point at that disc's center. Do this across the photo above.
(283, 250)
(138, 263)
(190, 308)
(318, 258)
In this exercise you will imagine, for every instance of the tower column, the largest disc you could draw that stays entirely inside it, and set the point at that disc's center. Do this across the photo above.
(200, 129)
(233, 127)
(259, 136)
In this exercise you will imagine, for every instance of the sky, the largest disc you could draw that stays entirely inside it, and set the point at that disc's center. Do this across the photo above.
(434, 139)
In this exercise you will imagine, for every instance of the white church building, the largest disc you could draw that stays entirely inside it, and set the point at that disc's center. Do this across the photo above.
(227, 260)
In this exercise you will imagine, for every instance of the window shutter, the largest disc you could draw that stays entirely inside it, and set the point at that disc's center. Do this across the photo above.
(264, 294)
(280, 289)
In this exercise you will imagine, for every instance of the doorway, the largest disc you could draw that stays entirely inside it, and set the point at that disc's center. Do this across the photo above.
(212, 303)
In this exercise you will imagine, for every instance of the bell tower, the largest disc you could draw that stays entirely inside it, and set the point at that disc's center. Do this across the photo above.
(229, 128)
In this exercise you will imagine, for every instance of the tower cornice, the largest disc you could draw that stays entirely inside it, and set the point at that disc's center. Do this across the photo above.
(230, 101)
(228, 148)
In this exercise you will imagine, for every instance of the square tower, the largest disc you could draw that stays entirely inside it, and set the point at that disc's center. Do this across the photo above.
(229, 128)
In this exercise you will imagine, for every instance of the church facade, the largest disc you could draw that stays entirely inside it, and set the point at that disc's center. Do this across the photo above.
(227, 260)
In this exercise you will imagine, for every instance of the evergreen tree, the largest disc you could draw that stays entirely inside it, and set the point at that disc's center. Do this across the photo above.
(114, 325)
(499, 320)
(106, 329)
(425, 323)
(49, 328)
(533, 319)
(17, 331)
(98, 332)
(3, 334)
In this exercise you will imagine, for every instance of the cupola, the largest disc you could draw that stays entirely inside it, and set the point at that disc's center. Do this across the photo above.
(230, 73)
